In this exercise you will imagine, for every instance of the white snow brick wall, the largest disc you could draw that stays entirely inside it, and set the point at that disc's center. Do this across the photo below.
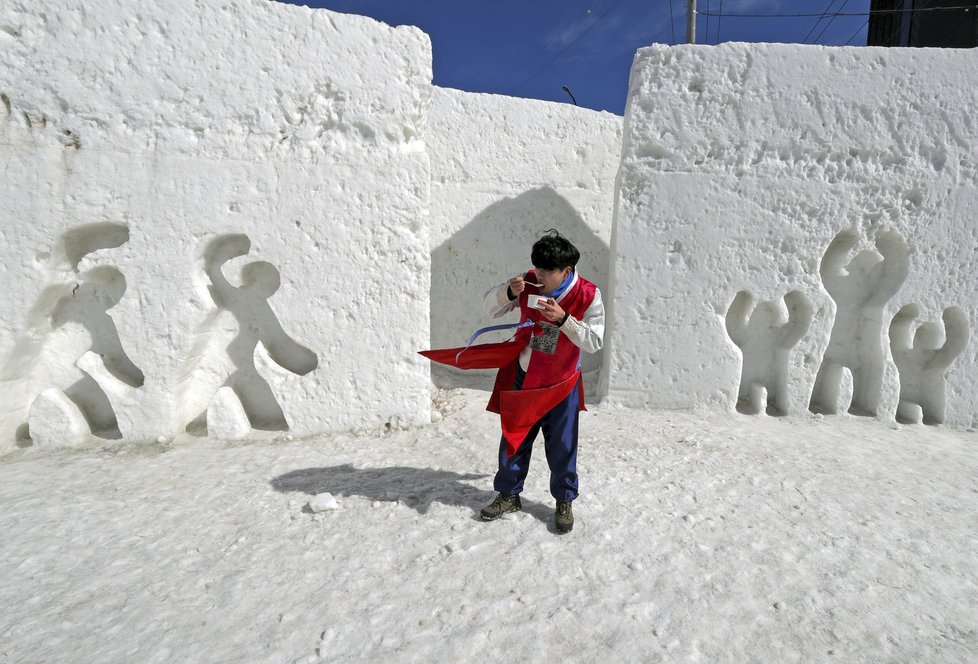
(199, 194)
(846, 178)
(504, 170)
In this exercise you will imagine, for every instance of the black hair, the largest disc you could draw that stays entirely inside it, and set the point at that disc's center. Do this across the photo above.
(554, 252)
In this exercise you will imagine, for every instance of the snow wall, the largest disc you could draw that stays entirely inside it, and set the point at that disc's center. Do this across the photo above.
(207, 209)
(840, 185)
(503, 171)
(211, 222)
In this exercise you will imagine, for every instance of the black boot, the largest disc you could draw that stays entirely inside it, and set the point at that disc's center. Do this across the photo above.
(504, 502)
(564, 517)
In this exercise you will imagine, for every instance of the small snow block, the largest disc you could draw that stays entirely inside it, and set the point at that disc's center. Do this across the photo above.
(226, 417)
(55, 421)
(323, 502)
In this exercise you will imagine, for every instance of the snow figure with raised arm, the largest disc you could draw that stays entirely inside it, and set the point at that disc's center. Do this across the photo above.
(98, 290)
(52, 377)
(257, 323)
(923, 364)
(861, 287)
(765, 341)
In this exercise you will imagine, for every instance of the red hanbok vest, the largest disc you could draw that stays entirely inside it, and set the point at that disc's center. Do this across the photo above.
(554, 367)
(552, 373)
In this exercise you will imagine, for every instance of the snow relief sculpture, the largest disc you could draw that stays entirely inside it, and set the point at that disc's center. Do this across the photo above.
(246, 400)
(860, 287)
(765, 341)
(923, 364)
(62, 405)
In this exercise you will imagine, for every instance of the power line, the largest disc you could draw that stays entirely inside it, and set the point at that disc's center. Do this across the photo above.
(565, 49)
(866, 13)
(672, 23)
(720, 11)
(858, 30)
(861, 28)
(834, 16)
(708, 15)
(894, 34)
(817, 21)
(945, 32)
(913, 20)
(540, 50)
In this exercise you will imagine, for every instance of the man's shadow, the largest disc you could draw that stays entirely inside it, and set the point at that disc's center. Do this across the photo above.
(416, 488)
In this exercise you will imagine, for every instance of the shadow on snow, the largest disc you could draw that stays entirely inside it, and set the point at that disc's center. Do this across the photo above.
(416, 488)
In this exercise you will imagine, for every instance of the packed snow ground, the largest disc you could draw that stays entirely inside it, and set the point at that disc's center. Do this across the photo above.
(699, 538)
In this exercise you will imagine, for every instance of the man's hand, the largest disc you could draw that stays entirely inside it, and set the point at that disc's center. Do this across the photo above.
(551, 310)
(517, 285)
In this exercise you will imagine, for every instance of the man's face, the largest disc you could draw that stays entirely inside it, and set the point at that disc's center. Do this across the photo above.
(551, 278)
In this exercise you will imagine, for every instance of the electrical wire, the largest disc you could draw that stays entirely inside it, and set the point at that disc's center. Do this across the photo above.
(834, 16)
(708, 15)
(858, 30)
(947, 30)
(719, 17)
(530, 59)
(914, 22)
(863, 26)
(565, 49)
(871, 12)
(672, 23)
(817, 21)
(894, 34)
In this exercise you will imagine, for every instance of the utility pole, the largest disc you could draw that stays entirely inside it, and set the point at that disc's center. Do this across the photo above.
(691, 21)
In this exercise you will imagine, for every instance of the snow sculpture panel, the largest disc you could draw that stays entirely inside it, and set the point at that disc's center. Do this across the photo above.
(759, 167)
(132, 136)
(504, 171)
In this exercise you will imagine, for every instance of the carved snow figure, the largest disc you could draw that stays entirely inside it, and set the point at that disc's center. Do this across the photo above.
(765, 341)
(100, 289)
(923, 365)
(861, 288)
(69, 322)
(256, 323)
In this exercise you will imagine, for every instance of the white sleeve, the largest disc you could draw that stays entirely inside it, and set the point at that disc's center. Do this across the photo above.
(587, 333)
(497, 302)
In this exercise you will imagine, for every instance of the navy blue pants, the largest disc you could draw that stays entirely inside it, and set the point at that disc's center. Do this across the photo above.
(560, 442)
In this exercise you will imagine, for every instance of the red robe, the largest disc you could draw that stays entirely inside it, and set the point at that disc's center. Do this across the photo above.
(550, 377)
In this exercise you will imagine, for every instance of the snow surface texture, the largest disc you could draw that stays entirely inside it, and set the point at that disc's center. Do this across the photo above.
(503, 171)
(206, 194)
(718, 538)
(778, 206)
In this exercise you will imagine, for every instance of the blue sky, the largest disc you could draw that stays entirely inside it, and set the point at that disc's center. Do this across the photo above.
(532, 48)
